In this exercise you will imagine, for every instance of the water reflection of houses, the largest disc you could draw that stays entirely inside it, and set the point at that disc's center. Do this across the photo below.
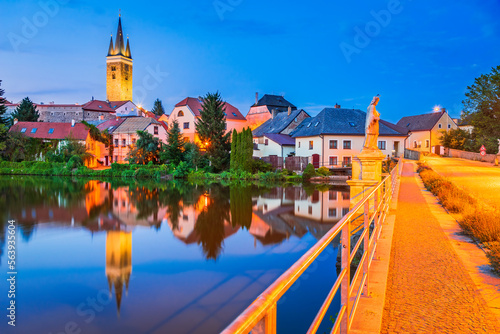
(291, 211)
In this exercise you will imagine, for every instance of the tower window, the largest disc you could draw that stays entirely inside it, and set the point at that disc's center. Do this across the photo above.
(126, 67)
(113, 68)
(126, 77)
(113, 76)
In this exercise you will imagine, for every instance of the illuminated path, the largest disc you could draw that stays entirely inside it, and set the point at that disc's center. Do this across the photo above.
(480, 179)
(428, 288)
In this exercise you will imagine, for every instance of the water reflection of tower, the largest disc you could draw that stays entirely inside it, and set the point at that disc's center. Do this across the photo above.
(118, 262)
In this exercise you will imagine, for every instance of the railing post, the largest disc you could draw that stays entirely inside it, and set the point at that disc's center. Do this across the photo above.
(366, 244)
(346, 281)
(270, 320)
(376, 228)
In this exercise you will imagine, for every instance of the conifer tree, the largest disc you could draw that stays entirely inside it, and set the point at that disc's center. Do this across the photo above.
(158, 108)
(248, 150)
(234, 165)
(211, 128)
(3, 109)
(238, 151)
(175, 148)
(26, 111)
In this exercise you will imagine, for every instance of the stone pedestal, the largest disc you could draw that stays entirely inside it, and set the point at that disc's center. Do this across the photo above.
(366, 172)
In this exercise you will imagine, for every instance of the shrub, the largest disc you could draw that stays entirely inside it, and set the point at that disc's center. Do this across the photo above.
(142, 173)
(309, 172)
(116, 167)
(494, 257)
(259, 165)
(181, 171)
(323, 171)
(74, 162)
(128, 173)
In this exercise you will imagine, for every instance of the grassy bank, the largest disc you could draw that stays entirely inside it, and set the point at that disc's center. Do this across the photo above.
(478, 221)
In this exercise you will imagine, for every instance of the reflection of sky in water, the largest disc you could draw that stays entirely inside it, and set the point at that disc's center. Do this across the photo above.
(72, 246)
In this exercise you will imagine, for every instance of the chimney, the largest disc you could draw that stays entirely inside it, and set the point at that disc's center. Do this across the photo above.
(101, 117)
(443, 109)
(273, 113)
(256, 98)
(15, 120)
(337, 106)
(72, 123)
(289, 110)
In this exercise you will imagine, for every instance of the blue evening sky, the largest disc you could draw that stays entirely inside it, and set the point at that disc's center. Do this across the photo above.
(425, 53)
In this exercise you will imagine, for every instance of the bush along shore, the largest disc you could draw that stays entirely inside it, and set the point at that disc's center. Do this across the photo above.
(479, 221)
(74, 167)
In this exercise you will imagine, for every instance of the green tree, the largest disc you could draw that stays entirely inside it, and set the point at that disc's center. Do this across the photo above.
(457, 139)
(482, 107)
(234, 162)
(147, 148)
(174, 152)
(211, 128)
(193, 156)
(101, 136)
(158, 108)
(248, 150)
(26, 111)
(3, 109)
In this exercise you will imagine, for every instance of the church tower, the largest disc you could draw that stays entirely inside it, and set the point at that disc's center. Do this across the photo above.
(119, 68)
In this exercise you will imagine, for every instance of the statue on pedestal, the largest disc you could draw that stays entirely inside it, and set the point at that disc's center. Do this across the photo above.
(371, 125)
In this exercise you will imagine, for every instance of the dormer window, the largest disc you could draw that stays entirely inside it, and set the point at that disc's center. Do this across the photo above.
(100, 106)
(234, 114)
(352, 124)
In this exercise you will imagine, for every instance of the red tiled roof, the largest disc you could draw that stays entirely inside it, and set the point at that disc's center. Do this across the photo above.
(195, 106)
(114, 123)
(97, 105)
(151, 115)
(58, 130)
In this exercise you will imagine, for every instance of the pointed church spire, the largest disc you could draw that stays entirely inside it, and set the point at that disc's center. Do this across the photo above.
(127, 52)
(111, 50)
(120, 45)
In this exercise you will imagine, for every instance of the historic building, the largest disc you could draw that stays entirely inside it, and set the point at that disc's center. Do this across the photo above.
(119, 68)
(266, 108)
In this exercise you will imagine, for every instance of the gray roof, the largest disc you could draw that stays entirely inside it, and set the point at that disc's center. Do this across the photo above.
(420, 122)
(337, 121)
(283, 140)
(134, 124)
(277, 124)
(276, 101)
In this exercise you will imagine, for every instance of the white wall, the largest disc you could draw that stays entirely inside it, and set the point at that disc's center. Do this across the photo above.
(272, 148)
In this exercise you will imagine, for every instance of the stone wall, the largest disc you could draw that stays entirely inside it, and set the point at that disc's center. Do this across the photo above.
(470, 155)
(78, 116)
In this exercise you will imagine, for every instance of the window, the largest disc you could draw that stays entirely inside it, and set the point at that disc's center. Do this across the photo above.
(23, 130)
(116, 142)
(440, 126)
(299, 144)
(332, 212)
(234, 114)
(180, 113)
(33, 130)
(113, 76)
(333, 144)
(381, 144)
(352, 124)
(126, 76)
(346, 161)
(347, 144)
(332, 195)
(113, 68)
(345, 211)
(311, 144)
(51, 130)
(124, 142)
(266, 142)
(116, 158)
(449, 126)
(333, 161)
(100, 106)
(126, 67)
(186, 125)
(427, 143)
(155, 130)
(414, 144)
(346, 195)
(310, 210)
(133, 141)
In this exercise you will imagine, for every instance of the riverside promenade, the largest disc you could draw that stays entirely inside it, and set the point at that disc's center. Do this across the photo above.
(429, 288)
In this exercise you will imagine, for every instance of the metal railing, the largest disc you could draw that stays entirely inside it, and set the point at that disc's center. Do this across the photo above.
(261, 314)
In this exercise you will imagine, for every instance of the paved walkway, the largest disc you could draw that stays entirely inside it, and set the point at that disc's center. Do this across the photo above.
(428, 288)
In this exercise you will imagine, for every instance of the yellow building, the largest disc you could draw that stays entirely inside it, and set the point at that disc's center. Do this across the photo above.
(119, 68)
(118, 262)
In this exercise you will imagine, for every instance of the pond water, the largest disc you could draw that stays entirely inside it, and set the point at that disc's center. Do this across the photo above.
(170, 257)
